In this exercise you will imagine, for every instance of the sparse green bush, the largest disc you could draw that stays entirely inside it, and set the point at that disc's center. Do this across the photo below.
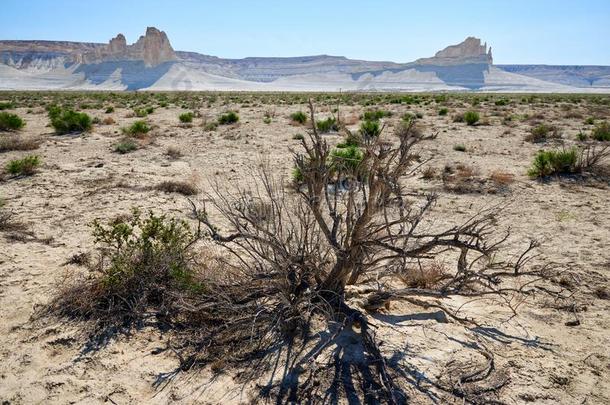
(443, 111)
(590, 121)
(125, 146)
(145, 263)
(26, 166)
(459, 148)
(471, 117)
(10, 122)
(551, 162)
(407, 117)
(375, 115)
(297, 176)
(601, 132)
(370, 129)
(138, 128)
(186, 117)
(140, 112)
(346, 160)
(68, 121)
(298, 137)
(210, 126)
(7, 105)
(541, 132)
(501, 102)
(327, 125)
(110, 110)
(299, 117)
(228, 118)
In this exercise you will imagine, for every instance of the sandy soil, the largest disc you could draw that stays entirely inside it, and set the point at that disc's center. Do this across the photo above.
(82, 179)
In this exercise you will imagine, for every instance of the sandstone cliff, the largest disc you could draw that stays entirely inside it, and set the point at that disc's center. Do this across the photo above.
(153, 48)
(468, 51)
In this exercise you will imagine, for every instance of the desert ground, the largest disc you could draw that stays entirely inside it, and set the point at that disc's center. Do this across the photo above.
(553, 348)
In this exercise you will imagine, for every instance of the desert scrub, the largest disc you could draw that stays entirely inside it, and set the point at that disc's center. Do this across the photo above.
(109, 110)
(346, 160)
(370, 129)
(228, 118)
(125, 146)
(601, 132)
(210, 126)
(173, 153)
(375, 115)
(7, 105)
(145, 263)
(10, 122)
(299, 117)
(186, 118)
(180, 187)
(327, 125)
(23, 167)
(443, 111)
(471, 117)
(137, 129)
(541, 133)
(549, 162)
(459, 148)
(297, 176)
(66, 121)
(143, 112)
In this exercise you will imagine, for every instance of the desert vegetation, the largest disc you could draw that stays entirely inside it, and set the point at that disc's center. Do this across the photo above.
(10, 122)
(68, 121)
(287, 248)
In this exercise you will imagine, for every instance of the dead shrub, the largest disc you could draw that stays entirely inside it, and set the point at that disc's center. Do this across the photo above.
(108, 121)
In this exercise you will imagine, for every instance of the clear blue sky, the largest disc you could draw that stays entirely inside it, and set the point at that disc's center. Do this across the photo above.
(532, 31)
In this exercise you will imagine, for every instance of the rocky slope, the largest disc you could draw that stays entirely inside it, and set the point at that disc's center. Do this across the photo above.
(151, 63)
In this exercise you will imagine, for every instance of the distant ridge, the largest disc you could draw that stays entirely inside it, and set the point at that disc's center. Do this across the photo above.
(152, 64)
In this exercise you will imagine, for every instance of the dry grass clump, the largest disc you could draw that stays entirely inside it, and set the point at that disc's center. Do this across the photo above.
(466, 179)
(173, 153)
(108, 121)
(502, 178)
(8, 223)
(429, 173)
(17, 142)
(180, 187)
(424, 277)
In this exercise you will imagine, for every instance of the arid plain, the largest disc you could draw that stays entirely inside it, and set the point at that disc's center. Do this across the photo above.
(549, 345)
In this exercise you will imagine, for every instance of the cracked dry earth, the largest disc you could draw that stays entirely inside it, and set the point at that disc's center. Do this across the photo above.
(555, 350)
